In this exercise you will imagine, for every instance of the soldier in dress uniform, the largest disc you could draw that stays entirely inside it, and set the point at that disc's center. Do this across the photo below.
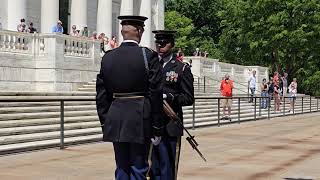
(129, 100)
(178, 91)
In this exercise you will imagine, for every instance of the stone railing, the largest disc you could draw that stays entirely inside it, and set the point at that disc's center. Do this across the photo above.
(16, 42)
(212, 68)
(46, 62)
(81, 47)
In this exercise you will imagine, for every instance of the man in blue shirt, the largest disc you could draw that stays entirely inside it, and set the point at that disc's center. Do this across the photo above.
(58, 28)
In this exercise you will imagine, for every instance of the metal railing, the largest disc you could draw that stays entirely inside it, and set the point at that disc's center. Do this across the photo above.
(257, 109)
(61, 101)
(257, 113)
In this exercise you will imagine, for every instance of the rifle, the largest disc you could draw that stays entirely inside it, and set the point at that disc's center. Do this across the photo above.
(173, 116)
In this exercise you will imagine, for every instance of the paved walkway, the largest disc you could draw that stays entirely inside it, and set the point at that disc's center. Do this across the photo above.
(274, 149)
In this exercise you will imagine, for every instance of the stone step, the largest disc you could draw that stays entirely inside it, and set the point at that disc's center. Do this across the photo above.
(39, 104)
(47, 121)
(15, 139)
(46, 128)
(37, 115)
(28, 146)
(9, 110)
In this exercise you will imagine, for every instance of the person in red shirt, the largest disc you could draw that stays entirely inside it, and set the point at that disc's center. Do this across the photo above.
(226, 91)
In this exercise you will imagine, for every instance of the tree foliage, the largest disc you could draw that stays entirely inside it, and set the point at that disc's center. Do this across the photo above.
(280, 34)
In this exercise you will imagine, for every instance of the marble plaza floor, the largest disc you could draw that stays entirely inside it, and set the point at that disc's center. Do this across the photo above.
(281, 148)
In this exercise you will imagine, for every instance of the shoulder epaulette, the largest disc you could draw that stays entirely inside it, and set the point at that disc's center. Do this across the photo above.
(148, 48)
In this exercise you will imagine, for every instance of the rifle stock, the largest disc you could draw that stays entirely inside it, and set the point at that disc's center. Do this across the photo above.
(173, 116)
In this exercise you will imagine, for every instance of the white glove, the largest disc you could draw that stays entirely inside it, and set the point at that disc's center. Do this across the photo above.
(156, 140)
(164, 96)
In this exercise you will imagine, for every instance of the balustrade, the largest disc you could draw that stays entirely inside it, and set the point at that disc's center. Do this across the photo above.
(15, 42)
(37, 44)
(81, 47)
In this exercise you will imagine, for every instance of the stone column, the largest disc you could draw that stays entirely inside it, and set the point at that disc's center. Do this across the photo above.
(104, 17)
(17, 9)
(78, 14)
(125, 9)
(160, 14)
(49, 15)
(145, 10)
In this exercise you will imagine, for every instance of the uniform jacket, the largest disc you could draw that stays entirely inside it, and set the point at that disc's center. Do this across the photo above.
(178, 86)
(123, 70)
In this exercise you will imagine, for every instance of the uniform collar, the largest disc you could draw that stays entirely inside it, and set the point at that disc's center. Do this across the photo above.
(130, 41)
(167, 58)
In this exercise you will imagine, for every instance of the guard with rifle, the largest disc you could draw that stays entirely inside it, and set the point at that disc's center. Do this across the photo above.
(178, 91)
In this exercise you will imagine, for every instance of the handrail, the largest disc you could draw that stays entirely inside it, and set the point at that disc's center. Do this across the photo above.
(313, 107)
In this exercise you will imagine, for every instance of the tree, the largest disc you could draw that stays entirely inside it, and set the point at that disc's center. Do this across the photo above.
(283, 35)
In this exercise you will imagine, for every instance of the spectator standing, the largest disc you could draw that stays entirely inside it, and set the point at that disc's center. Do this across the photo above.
(270, 90)
(293, 93)
(113, 42)
(85, 32)
(280, 87)
(22, 26)
(58, 28)
(31, 29)
(180, 55)
(197, 52)
(74, 31)
(252, 84)
(101, 39)
(106, 44)
(276, 97)
(285, 84)
(264, 93)
(0, 26)
(226, 87)
(94, 36)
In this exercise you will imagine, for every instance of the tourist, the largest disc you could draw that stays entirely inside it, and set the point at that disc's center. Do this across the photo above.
(94, 36)
(74, 31)
(22, 26)
(58, 28)
(113, 42)
(264, 94)
(252, 85)
(31, 29)
(106, 43)
(226, 87)
(276, 94)
(180, 55)
(280, 87)
(293, 93)
(270, 91)
(285, 85)
(85, 31)
(101, 38)
(197, 52)
(206, 54)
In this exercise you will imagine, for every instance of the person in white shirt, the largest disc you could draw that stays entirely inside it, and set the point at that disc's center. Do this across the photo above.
(252, 84)
(293, 93)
